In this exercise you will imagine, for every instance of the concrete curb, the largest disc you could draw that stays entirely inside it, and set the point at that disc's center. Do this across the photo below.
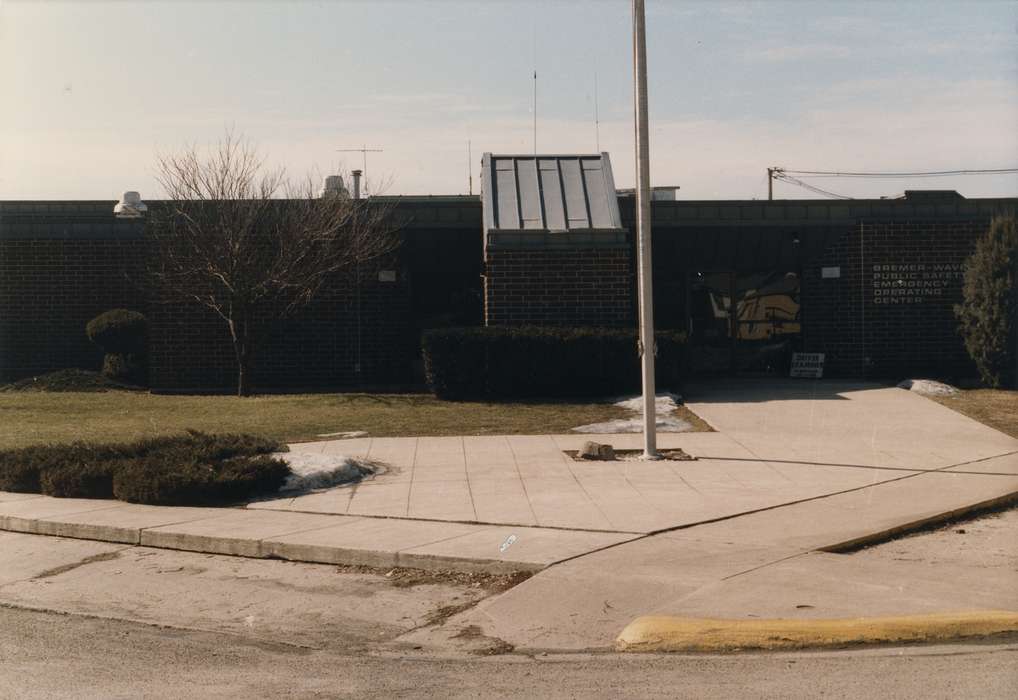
(874, 538)
(660, 634)
(265, 548)
(303, 537)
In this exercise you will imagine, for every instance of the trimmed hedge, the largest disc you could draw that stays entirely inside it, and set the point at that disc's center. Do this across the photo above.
(200, 481)
(118, 331)
(83, 471)
(543, 361)
(192, 469)
(122, 336)
(20, 470)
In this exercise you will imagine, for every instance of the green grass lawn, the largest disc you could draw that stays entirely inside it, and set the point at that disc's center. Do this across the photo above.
(996, 408)
(35, 417)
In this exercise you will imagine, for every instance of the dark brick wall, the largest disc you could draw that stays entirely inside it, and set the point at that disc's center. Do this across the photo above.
(545, 286)
(343, 339)
(62, 263)
(49, 289)
(445, 267)
(890, 313)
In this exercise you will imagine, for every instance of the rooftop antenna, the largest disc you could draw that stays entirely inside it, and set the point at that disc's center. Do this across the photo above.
(364, 151)
(535, 77)
(470, 166)
(535, 112)
(597, 120)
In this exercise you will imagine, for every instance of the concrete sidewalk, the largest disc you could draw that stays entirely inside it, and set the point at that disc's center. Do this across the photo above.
(794, 469)
(924, 461)
(754, 565)
(777, 443)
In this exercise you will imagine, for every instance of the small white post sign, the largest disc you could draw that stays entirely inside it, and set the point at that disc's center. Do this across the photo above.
(808, 364)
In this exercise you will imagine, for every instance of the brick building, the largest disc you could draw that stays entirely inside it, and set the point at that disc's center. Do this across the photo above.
(870, 283)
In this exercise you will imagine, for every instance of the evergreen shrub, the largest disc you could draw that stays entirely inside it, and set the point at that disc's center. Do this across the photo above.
(500, 362)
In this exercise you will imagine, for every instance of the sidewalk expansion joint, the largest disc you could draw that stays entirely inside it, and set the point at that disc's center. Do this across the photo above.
(483, 523)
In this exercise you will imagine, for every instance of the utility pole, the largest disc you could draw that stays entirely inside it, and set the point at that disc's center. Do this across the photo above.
(644, 268)
(770, 184)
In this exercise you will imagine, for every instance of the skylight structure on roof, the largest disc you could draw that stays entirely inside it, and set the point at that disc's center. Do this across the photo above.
(544, 199)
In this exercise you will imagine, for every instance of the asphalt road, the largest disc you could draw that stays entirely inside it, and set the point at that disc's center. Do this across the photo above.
(83, 619)
(45, 655)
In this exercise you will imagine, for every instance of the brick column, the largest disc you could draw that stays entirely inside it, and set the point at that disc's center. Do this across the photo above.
(562, 287)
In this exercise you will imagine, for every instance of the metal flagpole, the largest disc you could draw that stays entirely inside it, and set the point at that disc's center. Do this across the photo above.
(647, 345)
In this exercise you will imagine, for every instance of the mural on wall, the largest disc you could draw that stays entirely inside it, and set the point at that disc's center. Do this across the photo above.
(766, 323)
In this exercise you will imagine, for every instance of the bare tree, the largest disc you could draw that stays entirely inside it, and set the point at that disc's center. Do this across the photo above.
(244, 242)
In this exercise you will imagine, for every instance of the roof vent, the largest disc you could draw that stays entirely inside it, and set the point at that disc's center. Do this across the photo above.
(333, 187)
(931, 195)
(130, 206)
(664, 193)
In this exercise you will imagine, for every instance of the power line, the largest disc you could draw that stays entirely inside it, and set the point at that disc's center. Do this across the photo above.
(784, 177)
(929, 173)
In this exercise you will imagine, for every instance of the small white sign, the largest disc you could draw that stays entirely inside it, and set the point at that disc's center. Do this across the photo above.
(386, 275)
(807, 364)
(830, 273)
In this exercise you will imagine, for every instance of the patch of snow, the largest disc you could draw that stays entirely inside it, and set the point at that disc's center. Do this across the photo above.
(316, 471)
(664, 407)
(345, 434)
(634, 425)
(663, 403)
(928, 387)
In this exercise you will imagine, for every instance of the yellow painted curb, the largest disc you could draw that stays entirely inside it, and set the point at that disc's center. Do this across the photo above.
(704, 634)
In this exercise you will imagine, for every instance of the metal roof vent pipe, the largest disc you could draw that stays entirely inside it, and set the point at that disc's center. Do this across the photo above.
(356, 184)
(130, 206)
(333, 187)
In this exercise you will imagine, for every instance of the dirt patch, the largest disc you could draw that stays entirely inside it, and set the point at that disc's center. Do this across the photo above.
(439, 615)
(70, 380)
(401, 577)
(984, 542)
(492, 646)
(1006, 508)
(57, 570)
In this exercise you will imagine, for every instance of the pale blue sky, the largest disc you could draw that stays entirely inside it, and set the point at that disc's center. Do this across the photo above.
(93, 90)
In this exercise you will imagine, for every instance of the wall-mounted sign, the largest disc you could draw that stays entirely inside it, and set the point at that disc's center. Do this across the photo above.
(914, 283)
(807, 364)
(830, 273)
(386, 275)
